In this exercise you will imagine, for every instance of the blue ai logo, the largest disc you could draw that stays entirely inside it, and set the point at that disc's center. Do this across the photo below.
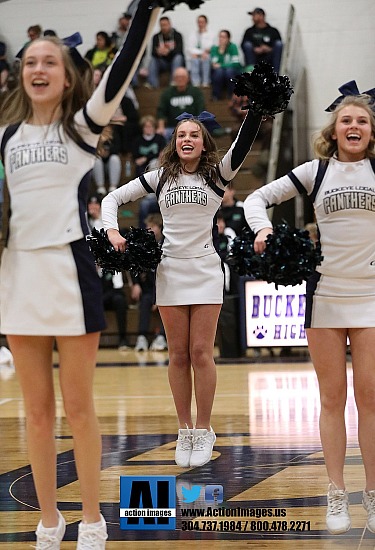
(214, 494)
(190, 495)
(147, 503)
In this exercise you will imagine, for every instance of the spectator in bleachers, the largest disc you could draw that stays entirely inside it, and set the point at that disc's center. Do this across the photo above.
(147, 147)
(146, 154)
(125, 123)
(119, 35)
(97, 76)
(178, 97)
(261, 42)
(224, 239)
(116, 142)
(225, 236)
(167, 52)
(199, 47)
(4, 68)
(235, 105)
(143, 291)
(33, 32)
(228, 329)
(312, 228)
(49, 32)
(103, 52)
(108, 164)
(225, 64)
(232, 210)
(114, 298)
(132, 7)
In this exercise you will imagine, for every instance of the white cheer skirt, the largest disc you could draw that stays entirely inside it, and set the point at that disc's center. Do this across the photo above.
(188, 281)
(333, 302)
(52, 291)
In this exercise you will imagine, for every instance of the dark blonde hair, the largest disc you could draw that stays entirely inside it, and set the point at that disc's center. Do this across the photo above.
(324, 144)
(155, 219)
(18, 108)
(148, 118)
(171, 163)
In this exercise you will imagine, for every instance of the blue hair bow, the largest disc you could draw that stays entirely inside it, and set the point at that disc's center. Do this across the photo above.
(72, 42)
(206, 118)
(347, 89)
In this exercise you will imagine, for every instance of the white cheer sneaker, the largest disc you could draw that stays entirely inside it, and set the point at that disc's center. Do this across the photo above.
(368, 502)
(203, 443)
(49, 538)
(337, 518)
(92, 536)
(184, 447)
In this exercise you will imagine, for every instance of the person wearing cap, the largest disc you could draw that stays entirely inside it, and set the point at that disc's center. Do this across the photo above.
(261, 42)
(120, 33)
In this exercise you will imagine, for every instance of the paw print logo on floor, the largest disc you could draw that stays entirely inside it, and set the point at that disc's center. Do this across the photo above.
(260, 332)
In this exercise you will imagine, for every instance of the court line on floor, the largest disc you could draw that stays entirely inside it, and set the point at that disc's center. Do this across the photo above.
(7, 400)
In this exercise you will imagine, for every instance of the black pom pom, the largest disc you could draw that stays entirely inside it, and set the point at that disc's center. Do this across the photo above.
(170, 4)
(289, 258)
(105, 255)
(142, 252)
(268, 92)
(242, 257)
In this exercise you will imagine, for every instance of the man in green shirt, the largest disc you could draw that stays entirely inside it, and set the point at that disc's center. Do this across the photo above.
(179, 97)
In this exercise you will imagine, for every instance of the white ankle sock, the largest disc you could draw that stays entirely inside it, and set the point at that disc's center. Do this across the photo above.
(50, 530)
(92, 525)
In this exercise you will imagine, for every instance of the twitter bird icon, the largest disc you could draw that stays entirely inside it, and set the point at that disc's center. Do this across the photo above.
(190, 495)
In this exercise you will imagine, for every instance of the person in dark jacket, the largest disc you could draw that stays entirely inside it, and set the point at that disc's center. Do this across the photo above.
(167, 52)
(261, 42)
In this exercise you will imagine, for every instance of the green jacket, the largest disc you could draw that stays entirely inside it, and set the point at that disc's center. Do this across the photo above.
(229, 58)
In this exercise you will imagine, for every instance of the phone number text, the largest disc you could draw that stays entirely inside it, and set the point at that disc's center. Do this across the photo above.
(246, 526)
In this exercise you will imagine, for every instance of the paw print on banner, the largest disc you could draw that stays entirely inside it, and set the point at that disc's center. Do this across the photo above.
(260, 332)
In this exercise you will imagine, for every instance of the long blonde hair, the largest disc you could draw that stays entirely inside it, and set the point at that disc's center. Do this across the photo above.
(325, 146)
(18, 108)
(171, 162)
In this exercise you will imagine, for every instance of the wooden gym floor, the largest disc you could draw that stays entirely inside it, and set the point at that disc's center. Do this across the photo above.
(267, 457)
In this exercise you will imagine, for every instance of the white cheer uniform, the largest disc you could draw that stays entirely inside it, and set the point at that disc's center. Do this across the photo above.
(48, 280)
(190, 271)
(342, 291)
